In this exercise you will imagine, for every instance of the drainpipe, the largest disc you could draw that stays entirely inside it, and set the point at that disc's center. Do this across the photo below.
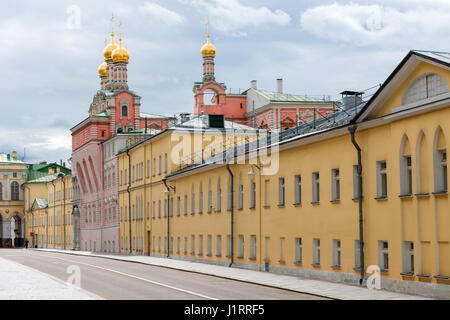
(168, 216)
(54, 215)
(129, 199)
(232, 214)
(352, 130)
(64, 211)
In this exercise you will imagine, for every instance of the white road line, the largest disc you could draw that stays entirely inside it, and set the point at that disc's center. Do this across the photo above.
(143, 279)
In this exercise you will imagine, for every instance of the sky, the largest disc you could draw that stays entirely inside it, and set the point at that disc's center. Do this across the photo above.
(50, 52)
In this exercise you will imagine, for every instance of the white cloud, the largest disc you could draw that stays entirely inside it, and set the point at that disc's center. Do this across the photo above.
(160, 13)
(377, 24)
(230, 16)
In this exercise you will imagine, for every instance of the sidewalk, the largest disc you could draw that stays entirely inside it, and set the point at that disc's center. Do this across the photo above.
(316, 287)
(18, 282)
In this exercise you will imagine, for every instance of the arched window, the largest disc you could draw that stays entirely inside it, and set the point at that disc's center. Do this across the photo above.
(425, 86)
(405, 167)
(124, 111)
(440, 162)
(14, 190)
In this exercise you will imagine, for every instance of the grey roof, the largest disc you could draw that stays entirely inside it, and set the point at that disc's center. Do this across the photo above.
(437, 55)
(152, 115)
(45, 179)
(41, 202)
(286, 97)
(202, 122)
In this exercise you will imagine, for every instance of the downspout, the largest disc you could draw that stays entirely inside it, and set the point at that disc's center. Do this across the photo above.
(168, 216)
(54, 215)
(64, 212)
(352, 130)
(232, 214)
(129, 199)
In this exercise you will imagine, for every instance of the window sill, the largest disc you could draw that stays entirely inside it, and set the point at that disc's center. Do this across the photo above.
(315, 203)
(422, 194)
(409, 195)
(266, 207)
(240, 257)
(336, 267)
(218, 255)
(298, 263)
(440, 193)
(282, 261)
(267, 260)
(240, 209)
(441, 277)
(356, 199)
(316, 265)
(209, 255)
(407, 274)
(384, 271)
(335, 201)
(252, 258)
(217, 211)
(281, 206)
(297, 204)
(209, 211)
(424, 276)
(381, 198)
(357, 269)
(252, 208)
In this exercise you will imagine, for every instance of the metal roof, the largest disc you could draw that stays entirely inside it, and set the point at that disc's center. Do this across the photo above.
(45, 179)
(437, 55)
(202, 122)
(286, 97)
(41, 202)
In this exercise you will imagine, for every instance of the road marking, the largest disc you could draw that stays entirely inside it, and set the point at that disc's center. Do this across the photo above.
(143, 279)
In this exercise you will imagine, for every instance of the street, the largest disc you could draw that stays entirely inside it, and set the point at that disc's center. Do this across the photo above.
(111, 279)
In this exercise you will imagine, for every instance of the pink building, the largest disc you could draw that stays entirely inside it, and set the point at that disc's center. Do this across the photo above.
(114, 115)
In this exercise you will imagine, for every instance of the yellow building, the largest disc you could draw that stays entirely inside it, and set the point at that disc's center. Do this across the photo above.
(305, 211)
(13, 173)
(49, 211)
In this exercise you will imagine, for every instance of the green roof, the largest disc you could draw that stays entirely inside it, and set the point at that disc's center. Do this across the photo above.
(45, 179)
(41, 202)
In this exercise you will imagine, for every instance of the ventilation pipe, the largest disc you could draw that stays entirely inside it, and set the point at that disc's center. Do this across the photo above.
(280, 85)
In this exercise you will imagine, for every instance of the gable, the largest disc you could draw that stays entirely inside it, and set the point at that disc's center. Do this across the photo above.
(422, 83)
(416, 81)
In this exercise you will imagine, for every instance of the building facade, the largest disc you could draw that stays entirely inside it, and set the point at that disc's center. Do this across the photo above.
(342, 205)
(13, 173)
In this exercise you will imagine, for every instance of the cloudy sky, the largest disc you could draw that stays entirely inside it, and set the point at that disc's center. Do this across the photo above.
(49, 57)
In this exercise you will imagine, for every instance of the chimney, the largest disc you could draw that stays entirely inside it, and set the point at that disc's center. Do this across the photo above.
(14, 155)
(253, 84)
(280, 85)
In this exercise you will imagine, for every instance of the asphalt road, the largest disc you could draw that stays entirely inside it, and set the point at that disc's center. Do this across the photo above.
(112, 279)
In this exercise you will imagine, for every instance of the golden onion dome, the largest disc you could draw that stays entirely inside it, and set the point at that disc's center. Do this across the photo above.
(102, 70)
(107, 52)
(120, 54)
(208, 50)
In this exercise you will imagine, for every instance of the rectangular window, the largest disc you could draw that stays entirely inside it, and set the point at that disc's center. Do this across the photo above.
(335, 185)
(383, 255)
(408, 257)
(154, 167)
(230, 198)
(192, 203)
(200, 202)
(171, 245)
(315, 187)
(165, 208)
(132, 175)
(171, 207)
(160, 165)
(219, 199)
(281, 197)
(336, 253)
(159, 208)
(209, 201)
(159, 244)
(192, 244)
(252, 247)
(185, 245)
(316, 252)
(125, 176)
(381, 179)
(148, 168)
(441, 179)
(148, 210)
(298, 250)
(178, 245)
(219, 246)
(297, 189)
(209, 246)
(228, 246)
(185, 204)
(165, 163)
(266, 193)
(281, 250)
(241, 197)
(252, 194)
(241, 246)
(178, 206)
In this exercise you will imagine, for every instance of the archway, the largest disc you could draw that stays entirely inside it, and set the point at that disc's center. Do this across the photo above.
(17, 231)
